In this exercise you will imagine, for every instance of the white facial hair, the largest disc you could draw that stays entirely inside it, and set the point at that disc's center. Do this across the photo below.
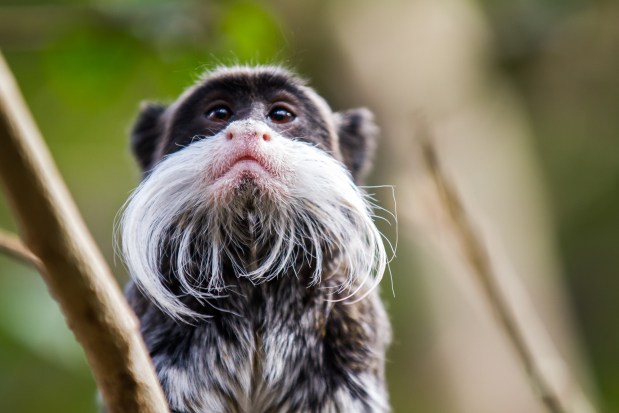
(306, 202)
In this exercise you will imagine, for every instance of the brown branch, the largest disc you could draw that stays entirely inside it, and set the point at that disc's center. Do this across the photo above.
(12, 246)
(74, 270)
(548, 373)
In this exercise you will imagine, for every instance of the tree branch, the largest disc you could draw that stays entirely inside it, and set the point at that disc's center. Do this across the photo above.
(12, 246)
(548, 373)
(74, 270)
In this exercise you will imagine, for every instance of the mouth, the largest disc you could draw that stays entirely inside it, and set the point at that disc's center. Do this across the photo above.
(244, 175)
(247, 158)
(247, 164)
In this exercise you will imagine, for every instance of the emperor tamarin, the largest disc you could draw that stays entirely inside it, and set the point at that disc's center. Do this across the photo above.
(252, 250)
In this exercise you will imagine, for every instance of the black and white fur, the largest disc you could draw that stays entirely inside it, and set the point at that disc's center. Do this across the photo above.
(252, 250)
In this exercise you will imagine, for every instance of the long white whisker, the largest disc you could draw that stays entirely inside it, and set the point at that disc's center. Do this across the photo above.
(312, 207)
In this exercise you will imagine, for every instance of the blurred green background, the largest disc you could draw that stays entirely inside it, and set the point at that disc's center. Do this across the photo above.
(83, 68)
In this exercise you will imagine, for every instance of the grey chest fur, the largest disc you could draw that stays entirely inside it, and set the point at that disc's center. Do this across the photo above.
(273, 347)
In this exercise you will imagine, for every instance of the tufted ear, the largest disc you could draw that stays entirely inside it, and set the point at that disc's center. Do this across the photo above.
(146, 133)
(357, 137)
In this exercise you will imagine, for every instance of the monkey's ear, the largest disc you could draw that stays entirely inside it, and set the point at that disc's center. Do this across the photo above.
(146, 133)
(357, 136)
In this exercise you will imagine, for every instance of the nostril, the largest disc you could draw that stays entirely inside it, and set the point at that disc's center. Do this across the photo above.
(266, 137)
(229, 135)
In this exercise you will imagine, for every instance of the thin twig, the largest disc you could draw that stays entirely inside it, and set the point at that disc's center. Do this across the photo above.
(560, 393)
(12, 246)
(74, 270)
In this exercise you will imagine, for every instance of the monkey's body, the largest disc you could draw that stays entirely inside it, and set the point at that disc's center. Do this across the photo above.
(252, 248)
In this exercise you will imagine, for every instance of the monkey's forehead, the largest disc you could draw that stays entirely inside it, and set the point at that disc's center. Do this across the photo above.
(253, 74)
(245, 82)
(254, 79)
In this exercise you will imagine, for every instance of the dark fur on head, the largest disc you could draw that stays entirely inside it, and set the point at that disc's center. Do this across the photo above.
(253, 252)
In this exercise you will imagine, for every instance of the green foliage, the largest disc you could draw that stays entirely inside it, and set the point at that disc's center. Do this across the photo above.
(251, 32)
(88, 68)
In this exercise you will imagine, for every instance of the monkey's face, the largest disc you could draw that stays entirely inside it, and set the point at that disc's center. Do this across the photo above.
(249, 166)
(267, 95)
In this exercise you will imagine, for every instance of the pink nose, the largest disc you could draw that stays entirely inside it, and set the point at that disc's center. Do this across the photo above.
(248, 132)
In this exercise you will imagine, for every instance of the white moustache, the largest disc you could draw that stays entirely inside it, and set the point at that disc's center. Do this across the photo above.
(303, 200)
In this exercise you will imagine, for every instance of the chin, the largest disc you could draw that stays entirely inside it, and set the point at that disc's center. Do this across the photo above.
(247, 181)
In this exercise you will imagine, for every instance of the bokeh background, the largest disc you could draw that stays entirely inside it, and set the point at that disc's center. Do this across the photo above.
(521, 97)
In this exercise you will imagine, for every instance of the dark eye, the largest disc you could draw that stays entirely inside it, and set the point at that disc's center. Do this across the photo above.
(219, 113)
(280, 115)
